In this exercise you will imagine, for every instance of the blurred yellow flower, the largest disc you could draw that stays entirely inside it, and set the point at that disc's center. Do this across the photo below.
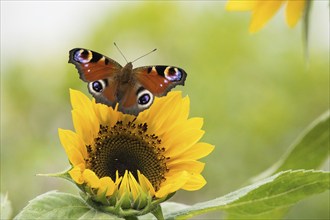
(264, 10)
(138, 158)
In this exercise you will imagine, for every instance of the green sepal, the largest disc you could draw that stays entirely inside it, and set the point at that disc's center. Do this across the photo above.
(125, 201)
(149, 205)
(141, 201)
(125, 206)
(158, 213)
(102, 198)
(63, 174)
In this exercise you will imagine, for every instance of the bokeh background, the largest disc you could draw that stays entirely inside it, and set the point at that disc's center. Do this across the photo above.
(256, 92)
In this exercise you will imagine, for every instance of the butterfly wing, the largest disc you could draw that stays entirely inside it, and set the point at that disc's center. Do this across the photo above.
(99, 72)
(151, 81)
(159, 80)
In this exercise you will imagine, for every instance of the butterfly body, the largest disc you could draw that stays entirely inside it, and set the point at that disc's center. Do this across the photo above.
(133, 89)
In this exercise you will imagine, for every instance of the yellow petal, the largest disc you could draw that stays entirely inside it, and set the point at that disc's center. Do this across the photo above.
(85, 126)
(184, 139)
(178, 112)
(192, 166)
(75, 156)
(107, 186)
(79, 100)
(179, 131)
(91, 179)
(185, 107)
(294, 11)
(172, 183)
(124, 185)
(76, 174)
(192, 123)
(196, 152)
(239, 5)
(196, 182)
(70, 139)
(118, 179)
(106, 115)
(102, 112)
(134, 186)
(160, 111)
(263, 12)
(145, 184)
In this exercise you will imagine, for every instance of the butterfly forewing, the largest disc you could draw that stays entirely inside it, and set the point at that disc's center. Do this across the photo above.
(160, 79)
(92, 65)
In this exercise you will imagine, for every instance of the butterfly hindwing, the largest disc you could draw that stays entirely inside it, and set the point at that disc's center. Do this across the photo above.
(129, 102)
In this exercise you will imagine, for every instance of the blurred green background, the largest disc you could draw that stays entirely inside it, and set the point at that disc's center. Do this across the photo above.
(255, 92)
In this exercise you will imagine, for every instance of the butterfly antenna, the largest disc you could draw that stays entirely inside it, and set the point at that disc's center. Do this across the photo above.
(120, 51)
(144, 55)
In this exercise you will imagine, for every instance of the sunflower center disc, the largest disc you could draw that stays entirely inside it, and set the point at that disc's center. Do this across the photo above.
(128, 147)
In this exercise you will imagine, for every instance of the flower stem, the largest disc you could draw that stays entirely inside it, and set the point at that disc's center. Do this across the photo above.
(158, 213)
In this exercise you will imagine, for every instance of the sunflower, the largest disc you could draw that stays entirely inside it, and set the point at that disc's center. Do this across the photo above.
(264, 10)
(130, 161)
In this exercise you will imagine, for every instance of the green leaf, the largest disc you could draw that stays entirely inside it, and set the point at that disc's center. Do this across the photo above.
(168, 208)
(265, 199)
(308, 151)
(6, 209)
(57, 205)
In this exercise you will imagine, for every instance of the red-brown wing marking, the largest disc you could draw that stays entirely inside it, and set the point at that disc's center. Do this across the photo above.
(109, 94)
(129, 98)
(160, 79)
(128, 104)
(92, 65)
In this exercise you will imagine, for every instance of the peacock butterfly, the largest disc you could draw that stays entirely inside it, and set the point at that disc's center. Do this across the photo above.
(133, 89)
